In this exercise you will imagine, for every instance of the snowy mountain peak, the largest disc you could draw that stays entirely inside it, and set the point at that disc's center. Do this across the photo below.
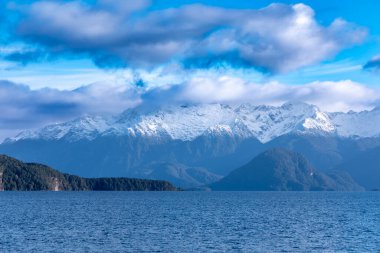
(320, 122)
(87, 127)
(187, 122)
(357, 124)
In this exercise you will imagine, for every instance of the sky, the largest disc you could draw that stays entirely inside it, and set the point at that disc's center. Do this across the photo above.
(64, 59)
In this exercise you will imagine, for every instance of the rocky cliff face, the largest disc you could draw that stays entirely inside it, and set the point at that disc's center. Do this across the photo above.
(55, 184)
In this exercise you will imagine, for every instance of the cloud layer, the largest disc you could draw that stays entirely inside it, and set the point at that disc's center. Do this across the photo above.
(164, 51)
(329, 96)
(23, 108)
(278, 38)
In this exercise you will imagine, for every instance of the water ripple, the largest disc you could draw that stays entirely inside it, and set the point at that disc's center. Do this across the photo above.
(189, 222)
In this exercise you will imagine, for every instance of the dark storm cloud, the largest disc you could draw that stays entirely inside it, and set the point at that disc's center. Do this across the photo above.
(278, 38)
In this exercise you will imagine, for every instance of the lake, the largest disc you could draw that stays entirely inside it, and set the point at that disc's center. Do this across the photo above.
(190, 222)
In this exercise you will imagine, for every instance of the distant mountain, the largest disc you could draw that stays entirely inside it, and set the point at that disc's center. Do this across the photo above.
(364, 168)
(188, 122)
(283, 170)
(19, 176)
(325, 152)
(180, 175)
(214, 137)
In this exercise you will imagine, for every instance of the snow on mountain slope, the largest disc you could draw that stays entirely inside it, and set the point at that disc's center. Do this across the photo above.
(268, 122)
(361, 124)
(87, 127)
(188, 122)
(179, 122)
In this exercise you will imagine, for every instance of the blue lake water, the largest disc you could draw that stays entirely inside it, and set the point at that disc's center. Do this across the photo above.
(189, 222)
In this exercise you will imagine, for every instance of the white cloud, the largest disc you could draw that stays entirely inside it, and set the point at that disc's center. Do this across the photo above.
(222, 89)
(278, 38)
(23, 108)
(329, 96)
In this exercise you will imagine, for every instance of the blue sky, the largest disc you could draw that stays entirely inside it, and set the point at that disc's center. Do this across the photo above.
(62, 59)
(346, 63)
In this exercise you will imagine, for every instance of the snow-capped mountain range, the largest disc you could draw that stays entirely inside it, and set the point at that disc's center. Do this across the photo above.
(194, 145)
(187, 122)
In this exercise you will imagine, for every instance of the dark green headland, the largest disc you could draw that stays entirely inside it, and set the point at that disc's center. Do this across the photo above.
(18, 176)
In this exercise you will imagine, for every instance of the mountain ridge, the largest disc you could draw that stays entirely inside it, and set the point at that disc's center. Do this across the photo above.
(191, 121)
(217, 138)
(279, 169)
